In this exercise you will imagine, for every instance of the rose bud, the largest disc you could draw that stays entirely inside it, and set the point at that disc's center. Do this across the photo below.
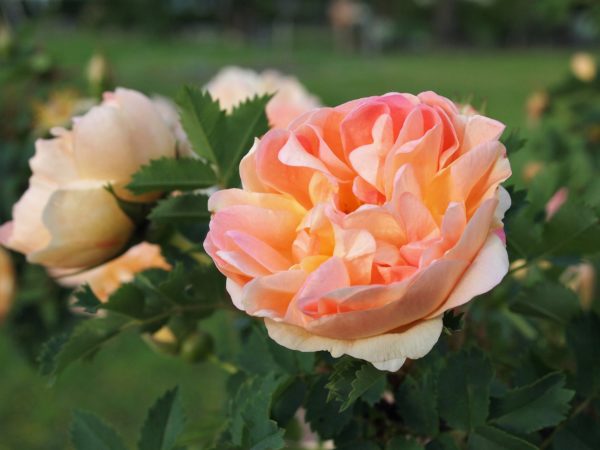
(360, 225)
(583, 66)
(7, 283)
(232, 85)
(67, 218)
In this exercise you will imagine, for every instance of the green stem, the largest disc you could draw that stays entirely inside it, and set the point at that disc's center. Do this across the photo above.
(227, 367)
(185, 245)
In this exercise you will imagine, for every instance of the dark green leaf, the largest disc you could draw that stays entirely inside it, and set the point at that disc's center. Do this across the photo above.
(444, 441)
(168, 174)
(324, 415)
(513, 142)
(164, 423)
(368, 384)
(403, 443)
(250, 423)
(127, 300)
(47, 356)
(85, 340)
(530, 408)
(583, 337)
(86, 299)
(416, 402)
(573, 230)
(180, 209)
(200, 116)
(491, 438)
(547, 300)
(452, 321)
(88, 432)
(581, 433)
(464, 392)
(287, 402)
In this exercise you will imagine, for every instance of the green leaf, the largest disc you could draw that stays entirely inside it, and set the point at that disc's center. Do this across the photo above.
(85, 340)
(464, 394)
(416, 402)
(491, 438)
(583, 338)
(368, 384)
(164, 423)
(247, 121)
(200, 116)
(127, 300)
(444, 441)
(547, 300)
(403, 443)
(452, 321)
(530, 408)
(86, 299)
(324, 414)
(169, 174)
(250, 409)
(88, 432)
(46, 358)
(513, 142)
(181, 209)
(288, 400)
(580, 433)
(573, 230)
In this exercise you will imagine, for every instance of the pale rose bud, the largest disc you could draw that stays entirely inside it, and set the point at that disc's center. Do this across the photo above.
(536, 104)
(531, 169)
(107, 278)
(58, 110)
(583, 66)
(67, 219)
(360, 225)
(7, 283)
(556, 201)
(233, 85)
(581, 278)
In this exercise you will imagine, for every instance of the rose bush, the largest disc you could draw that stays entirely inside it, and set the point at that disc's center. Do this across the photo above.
(360, 225)
(67, 218)
(233, 85)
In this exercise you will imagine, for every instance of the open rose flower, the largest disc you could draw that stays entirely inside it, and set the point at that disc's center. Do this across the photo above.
(233, 85)
(360, 225)
(67, 218)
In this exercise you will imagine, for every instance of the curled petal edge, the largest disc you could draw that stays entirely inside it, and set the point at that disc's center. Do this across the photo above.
(386, 352)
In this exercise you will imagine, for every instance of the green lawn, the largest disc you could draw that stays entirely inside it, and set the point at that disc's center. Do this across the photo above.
(125, 378)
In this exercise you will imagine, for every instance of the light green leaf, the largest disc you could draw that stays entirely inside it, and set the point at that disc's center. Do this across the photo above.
(164, 423)
(247, 121)
(464, 394)
(88, 432)
(200, 116)
(168, 174)
(530, 408)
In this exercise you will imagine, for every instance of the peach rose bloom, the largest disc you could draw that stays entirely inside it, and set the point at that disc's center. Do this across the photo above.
(233, 85)
(360, 225)
(67, 219)
(107, 278)
(7, 283)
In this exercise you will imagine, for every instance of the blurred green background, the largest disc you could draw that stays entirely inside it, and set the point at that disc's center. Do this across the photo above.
(493, 54)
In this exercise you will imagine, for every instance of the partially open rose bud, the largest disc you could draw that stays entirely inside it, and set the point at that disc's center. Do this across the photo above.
(360, 225)
(583, 66)
(233, 85)
(7, 283)
(107, 278)
(67, 219)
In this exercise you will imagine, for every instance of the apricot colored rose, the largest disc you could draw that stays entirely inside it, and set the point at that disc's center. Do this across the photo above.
(7, 283)
(360, 225)
(107, 278)
(233, 85)
(67, 218)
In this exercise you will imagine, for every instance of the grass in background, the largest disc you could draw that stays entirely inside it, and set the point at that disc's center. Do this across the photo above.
(125, 378)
